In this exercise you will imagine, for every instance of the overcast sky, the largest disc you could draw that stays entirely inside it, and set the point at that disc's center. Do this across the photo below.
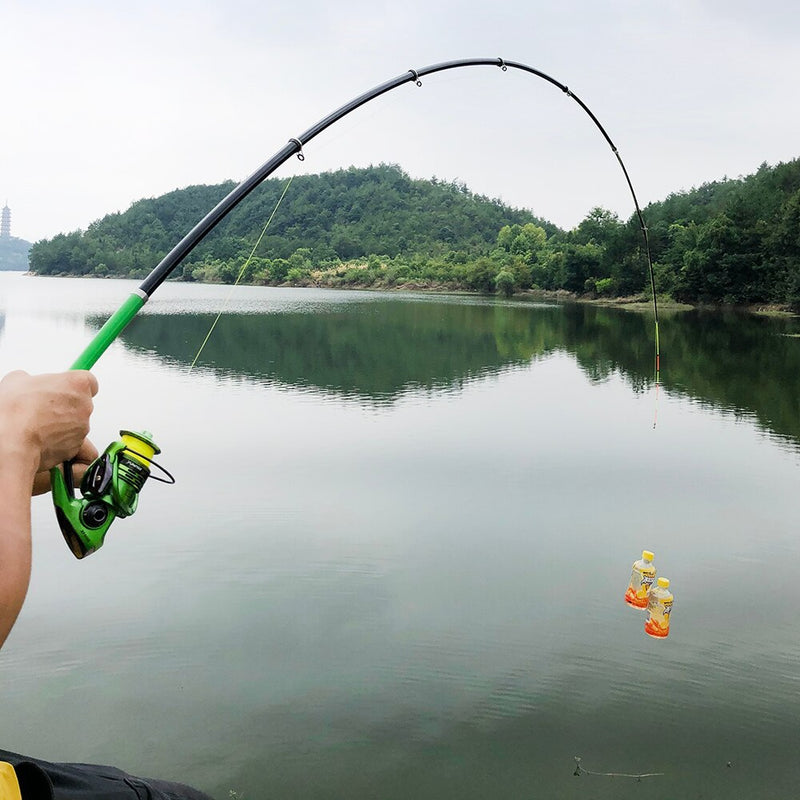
(104, 103)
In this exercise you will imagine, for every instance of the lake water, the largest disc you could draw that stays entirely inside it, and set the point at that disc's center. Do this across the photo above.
(393, 562)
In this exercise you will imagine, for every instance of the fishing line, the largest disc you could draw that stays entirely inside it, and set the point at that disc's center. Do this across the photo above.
(241, 272)
(655, 413)
(579, 770)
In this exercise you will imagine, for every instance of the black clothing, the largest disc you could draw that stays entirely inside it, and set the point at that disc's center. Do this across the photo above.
(43, 780)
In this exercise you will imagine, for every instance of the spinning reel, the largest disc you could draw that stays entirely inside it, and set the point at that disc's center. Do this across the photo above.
(109, 489)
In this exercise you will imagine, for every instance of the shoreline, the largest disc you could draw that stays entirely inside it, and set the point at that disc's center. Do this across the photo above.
(632, 303)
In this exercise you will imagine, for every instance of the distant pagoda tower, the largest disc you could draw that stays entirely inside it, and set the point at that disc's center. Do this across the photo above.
(5, 222)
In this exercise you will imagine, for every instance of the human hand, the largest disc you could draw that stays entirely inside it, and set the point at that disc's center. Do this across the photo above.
(80, 463)
(45, 418)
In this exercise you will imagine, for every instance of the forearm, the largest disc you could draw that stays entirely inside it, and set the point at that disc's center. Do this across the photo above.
(17, 470)
(44, 420)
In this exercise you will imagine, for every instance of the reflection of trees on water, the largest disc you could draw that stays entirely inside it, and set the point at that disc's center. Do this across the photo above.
(374, 351)
(377, 351)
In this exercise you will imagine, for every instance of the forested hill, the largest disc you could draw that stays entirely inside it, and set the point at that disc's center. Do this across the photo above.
(14, 253)
(734, 241)
(335, 216)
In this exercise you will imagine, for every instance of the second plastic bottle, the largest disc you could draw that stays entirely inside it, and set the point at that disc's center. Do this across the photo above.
(659, 610)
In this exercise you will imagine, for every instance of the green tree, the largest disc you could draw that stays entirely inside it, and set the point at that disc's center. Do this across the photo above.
(504, 283)
(480, 276)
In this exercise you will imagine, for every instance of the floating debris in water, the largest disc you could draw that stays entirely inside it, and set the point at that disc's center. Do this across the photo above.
(579, 770)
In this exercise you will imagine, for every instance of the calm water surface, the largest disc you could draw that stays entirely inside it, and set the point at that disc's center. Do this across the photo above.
(394, 560)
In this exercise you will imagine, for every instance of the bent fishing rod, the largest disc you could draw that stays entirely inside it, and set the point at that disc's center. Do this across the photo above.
(111, 485)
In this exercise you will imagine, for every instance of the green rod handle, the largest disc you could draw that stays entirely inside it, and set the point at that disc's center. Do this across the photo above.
(116, 323)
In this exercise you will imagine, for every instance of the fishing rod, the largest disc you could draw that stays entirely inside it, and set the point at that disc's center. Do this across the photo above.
(111, 484)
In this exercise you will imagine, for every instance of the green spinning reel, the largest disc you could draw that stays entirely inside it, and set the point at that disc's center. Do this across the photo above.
(109, 489)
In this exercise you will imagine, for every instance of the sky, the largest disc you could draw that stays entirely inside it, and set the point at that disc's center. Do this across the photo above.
(107, 103)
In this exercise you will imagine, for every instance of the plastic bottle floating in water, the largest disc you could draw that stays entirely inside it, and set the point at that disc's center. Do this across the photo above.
(642, 578)
(659, 610)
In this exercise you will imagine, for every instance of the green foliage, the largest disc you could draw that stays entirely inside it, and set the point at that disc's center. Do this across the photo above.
(480, 276)
(731, 241)
(605, 287)
(734, 241)
(504, 281)
(346, 214)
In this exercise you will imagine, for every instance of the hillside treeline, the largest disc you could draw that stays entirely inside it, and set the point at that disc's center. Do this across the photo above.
(732, 241)
(330, 218)
(14, 253)
(735, 241)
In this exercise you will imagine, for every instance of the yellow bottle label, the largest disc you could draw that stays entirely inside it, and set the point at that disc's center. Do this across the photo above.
(659, 610)
(642, 579)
